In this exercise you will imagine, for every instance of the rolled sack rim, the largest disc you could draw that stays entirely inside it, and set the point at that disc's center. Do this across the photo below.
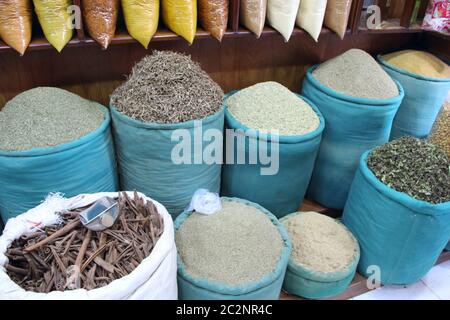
(361, 102)
(389, 66)
(283, 139)
(35, 152)
(419, 207)
(242, 289)
(116, 115)
(319, 276)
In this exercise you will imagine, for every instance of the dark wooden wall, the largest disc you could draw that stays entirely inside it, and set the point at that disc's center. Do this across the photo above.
(237, 62)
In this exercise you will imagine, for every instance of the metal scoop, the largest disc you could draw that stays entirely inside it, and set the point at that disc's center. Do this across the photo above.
(101, 215)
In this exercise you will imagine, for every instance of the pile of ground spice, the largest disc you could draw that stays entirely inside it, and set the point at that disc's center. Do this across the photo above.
(440, 135)
(238, 245)
(413, 166)
(167, 87)
(419, 62)
(320, 243)
(355, 73)
(46, 117)
(289, 114)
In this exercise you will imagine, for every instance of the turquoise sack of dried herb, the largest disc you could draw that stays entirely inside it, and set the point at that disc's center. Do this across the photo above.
(168, 87)
(413, 166)
(46, 117)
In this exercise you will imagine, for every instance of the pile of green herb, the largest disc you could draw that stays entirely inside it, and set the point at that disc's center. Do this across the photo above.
(413, 166)
(45, 117)
(168, 87)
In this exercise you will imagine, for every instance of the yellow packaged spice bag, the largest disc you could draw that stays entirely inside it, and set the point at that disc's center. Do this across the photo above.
(16, 23)
(55, 20)
(419, 62)
(180, 16)
(141, 19)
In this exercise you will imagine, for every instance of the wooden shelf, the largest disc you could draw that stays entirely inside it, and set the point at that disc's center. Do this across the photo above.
(40, 43)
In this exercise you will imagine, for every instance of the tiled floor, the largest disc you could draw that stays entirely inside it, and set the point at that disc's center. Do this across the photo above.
(434, 286)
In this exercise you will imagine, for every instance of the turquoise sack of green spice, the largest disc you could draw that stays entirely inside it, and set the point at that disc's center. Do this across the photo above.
(51, 159)
(400, 235)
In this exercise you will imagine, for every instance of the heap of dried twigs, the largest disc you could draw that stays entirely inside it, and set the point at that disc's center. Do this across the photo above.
(69, 256)
(167, 87)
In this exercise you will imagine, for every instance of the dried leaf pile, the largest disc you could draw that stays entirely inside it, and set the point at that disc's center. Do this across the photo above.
(413, 166)
(167, 87)
(69, 256)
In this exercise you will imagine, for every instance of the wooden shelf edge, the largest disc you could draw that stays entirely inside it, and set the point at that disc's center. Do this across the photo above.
(165, 35)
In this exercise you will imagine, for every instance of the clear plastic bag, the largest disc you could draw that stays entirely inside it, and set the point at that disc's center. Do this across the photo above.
(100, 17)
(55, 19)
(16, 23)
(141, 19)
(281, 16)
(253, 15)
(180, 16)
(213, 16)
(310, 16)
(336, 16)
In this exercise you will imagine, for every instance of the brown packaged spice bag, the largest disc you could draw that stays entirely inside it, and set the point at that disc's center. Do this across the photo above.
(253, 15)
(336, 16)
(16, 23)
(213, 16)
(100, 18)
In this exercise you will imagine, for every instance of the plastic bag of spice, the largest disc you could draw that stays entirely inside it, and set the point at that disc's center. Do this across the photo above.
(437, 16)
(336, 16)
(281, 16)
(141, 19)
(100, 17)
(253, 15)
(55, 20)
(213, 16)
(180, 16)
(16, 24)
(310, 16)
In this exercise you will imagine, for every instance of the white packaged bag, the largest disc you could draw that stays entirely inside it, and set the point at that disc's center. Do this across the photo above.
(281, 16)
(310, 16)
(154, 279)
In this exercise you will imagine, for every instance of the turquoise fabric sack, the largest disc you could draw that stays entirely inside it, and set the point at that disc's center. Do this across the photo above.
(310, 284)
(86, 165)
(423, 100)
(144, 154)
(267, 288)
(352, 126)
(283, 192)
(401, 235)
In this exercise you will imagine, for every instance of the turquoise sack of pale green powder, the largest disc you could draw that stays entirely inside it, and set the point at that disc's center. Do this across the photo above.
(398, 234)
(84, 165)
(266, 288)
(352, 126)
(283, 192)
